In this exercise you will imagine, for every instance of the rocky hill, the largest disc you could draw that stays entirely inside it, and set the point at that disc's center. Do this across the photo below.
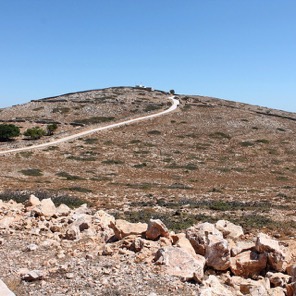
(210, 160)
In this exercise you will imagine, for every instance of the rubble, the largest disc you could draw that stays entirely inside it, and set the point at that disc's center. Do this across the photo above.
(87, 248)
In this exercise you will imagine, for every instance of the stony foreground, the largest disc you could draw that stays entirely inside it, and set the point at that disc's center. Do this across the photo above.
(49, 250)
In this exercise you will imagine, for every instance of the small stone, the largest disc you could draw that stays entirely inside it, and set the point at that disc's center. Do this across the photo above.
(33, 275)
(70, 275)
(32, 247)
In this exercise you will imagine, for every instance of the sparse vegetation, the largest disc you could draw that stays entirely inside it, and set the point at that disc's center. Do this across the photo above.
(112, 161)
(94, 120)
(154, 132)
(69, 177)
(51, 128)
(32, 172)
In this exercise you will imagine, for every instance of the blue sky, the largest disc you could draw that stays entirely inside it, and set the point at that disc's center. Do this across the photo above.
(232, 49)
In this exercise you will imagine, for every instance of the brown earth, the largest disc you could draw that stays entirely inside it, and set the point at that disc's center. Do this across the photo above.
(210, 159)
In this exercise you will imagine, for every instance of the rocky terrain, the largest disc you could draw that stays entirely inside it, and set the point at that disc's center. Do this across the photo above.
(201, 170)
(49, 250)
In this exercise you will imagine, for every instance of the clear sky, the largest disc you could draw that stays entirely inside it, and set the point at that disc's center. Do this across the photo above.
(233, 49)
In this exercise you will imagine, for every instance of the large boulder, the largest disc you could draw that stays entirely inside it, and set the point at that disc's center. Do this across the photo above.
(178, 262)
(229, 229)
(278, 256)
(156, 229)
(248, 264)
(182, 242)
(218, 254)
(123, 228)
(46, 208)
(201, 235)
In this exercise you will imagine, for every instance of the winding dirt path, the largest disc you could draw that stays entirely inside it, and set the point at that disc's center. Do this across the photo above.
(174, 106)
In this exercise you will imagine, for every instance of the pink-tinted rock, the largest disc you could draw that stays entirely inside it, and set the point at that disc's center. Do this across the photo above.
(229, 229)
(278, 279)
(46, 208)
(182, 242)
(218, 254)
(248, 264)
(178, 262)
(250, 287)
(241, 246)
(278, 256)
(156, 229)
(123, 228)
(201, 235)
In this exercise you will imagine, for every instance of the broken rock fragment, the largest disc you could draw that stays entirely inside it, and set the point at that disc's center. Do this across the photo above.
(229, 229)
(156, 229)
(201, 235)
(248, 264)
(123, 228)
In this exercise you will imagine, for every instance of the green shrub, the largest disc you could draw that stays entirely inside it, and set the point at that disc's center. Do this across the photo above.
(247, 144)
(263, 141)
(62, 110)
(79, 189)
(94, 120)
(34, 133)
(112, 161)
(69, 177)
(32, 172)
(219, 135)
(154, 132)
(8, 131)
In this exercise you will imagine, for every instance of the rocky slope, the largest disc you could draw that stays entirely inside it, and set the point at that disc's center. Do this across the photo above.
(211, 159)
(49, 250)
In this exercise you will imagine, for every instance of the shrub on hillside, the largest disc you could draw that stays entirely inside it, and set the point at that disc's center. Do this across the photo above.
(34, 133)
(8, 131)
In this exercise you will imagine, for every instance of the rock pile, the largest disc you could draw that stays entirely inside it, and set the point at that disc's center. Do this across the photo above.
(216, 259)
